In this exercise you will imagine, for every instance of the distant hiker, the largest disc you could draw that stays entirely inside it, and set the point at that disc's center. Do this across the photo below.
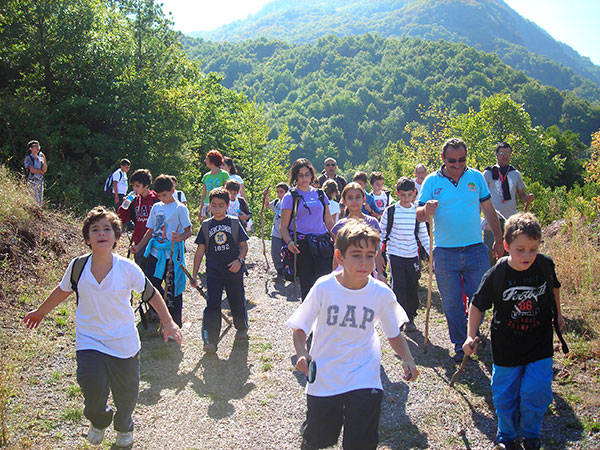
(214, 178)
(107, 343)
(525, 294)
(382, 197)
(168, 227)
(330, 188)
(139, 210)
(420, 174)
(329, 173)
(224, 242)
(119, 181)
(238, 206)
(353, 197)
(341, 311)
(276, 241)
(401, 233)
(230, 167)
(505, 183)
(453, 195)
(179, 195)
(312, 223)
(36, 166)
(369, 208)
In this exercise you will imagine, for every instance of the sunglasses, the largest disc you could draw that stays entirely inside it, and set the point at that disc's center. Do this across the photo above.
(454, 161)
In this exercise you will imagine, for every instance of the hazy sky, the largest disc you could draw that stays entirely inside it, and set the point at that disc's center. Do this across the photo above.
(573, 22)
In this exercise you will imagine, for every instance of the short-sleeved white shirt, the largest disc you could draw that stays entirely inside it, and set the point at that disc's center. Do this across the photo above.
(166, 218)
(345, 346)
(515, 183)
(104, 320)
(121, 178)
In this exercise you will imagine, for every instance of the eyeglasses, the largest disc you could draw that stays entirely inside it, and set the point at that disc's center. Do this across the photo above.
(305, 175)
(504, 153)
(330, 165)
(454, 161)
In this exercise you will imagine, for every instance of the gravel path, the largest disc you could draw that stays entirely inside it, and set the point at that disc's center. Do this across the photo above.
(249, 396)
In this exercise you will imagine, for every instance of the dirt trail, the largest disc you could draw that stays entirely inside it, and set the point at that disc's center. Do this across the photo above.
(250, 396)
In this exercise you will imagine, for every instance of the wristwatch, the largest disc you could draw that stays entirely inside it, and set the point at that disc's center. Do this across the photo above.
(241, 260)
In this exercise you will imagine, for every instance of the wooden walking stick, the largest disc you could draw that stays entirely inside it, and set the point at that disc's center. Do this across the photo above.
(296, 246)
(463, 363)
(430, 220)
(262, 225)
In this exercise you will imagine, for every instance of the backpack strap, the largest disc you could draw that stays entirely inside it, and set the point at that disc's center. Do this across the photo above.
(148, 291)
(321, 194)
(76, 271)
(295, 200)
(179, 196)
(390, 222)
(547, 269)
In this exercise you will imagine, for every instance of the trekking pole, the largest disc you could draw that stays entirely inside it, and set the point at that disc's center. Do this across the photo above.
(262, 225)
(129, 246)
(202, 293)
(464, 362)
(296, 246)
(430, 220)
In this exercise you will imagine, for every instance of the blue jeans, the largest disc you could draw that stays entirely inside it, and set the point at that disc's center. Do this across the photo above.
(452, 263)
(522, 395)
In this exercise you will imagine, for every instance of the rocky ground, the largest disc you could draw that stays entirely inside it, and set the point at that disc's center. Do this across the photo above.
(249, 396)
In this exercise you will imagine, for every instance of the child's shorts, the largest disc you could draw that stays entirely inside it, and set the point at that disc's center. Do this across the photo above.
(358, 411)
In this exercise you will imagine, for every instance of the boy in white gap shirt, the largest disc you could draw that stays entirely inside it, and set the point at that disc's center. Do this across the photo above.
(107, 343)
(341, 310)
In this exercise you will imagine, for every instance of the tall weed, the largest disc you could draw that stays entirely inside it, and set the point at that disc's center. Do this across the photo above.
(15, 198)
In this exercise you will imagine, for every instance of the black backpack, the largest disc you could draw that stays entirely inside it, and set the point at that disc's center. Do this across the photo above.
(296, 198)
(108, 184)
(77, 269)
(545, 265)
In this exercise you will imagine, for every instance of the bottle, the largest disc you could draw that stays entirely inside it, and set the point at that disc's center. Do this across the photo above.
(127, 200)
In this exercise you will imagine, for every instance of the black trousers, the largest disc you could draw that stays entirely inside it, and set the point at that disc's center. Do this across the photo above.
(405, 283)
(358, 411)
(99, 373)
(310, 268)
(211, 322)
(174, 303)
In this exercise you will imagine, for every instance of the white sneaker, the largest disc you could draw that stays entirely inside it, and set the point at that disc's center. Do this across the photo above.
(124, 439)
(95, 435)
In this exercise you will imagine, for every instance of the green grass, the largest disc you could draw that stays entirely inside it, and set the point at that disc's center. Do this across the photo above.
(72, 414)
(73, 391)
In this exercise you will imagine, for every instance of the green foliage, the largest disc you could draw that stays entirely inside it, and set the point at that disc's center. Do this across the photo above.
(95, 81)
(490, 26)
(349, 97)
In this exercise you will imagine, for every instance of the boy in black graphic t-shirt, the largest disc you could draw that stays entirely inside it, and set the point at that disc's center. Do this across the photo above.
(225, 253)
(523, 302)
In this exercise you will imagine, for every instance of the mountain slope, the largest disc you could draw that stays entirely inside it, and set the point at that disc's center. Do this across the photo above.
(489, 25)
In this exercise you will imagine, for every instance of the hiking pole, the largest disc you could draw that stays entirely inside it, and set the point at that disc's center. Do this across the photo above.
(262, 225)
(464, 362)
(296, 246)
(202, 293)
(430, 220)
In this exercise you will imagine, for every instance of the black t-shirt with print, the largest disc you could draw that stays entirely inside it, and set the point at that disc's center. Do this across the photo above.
(522, 318)
(221, 249)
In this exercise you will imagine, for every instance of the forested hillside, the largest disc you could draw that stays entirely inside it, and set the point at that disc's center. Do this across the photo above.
(96, 81)
(489, 25)
(346, 96)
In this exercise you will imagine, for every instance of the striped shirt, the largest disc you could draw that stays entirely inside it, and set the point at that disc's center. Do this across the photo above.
(403, 242)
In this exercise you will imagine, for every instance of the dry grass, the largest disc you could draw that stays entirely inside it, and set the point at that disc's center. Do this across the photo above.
(575, 250)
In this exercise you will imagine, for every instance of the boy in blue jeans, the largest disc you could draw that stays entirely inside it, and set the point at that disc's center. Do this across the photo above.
(107, 343)
(342, 309)
(223, 241)
(524, 292)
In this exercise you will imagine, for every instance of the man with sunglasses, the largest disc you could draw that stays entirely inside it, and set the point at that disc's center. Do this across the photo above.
(330, 167)
(454, 196)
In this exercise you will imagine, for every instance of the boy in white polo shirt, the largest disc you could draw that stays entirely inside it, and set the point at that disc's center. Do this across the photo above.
(106, 340)
(341, 310)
